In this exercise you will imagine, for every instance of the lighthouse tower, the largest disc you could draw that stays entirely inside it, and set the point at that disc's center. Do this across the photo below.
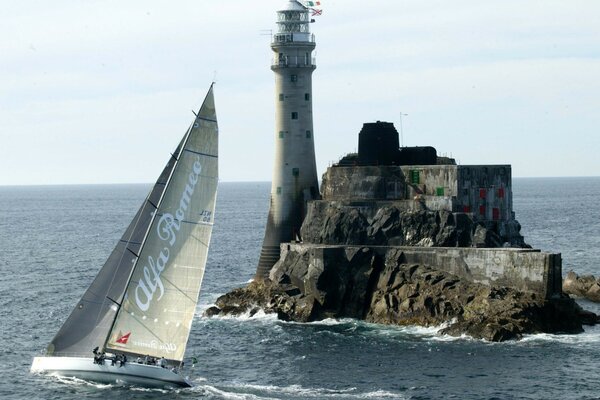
(294, 171)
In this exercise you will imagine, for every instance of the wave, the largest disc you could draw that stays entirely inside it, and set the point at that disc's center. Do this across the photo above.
(590, 336)
(267, 392)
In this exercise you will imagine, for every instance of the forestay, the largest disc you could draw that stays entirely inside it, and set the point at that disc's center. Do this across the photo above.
(160, 299)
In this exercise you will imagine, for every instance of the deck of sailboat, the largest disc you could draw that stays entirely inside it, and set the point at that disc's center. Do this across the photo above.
(130, 373)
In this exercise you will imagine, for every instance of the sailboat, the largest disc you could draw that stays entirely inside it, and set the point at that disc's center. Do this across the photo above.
(132, 324)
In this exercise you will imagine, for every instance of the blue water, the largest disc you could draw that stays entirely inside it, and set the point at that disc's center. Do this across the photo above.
(54, 239)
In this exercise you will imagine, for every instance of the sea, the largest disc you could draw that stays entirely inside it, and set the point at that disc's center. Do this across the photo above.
(54, 239)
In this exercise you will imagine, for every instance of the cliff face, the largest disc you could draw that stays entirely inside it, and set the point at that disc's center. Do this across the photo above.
(391, 225)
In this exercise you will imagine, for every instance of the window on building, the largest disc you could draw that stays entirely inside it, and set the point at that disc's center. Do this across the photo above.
(495, 214)
(307, 96)
(281, 134)
(482, 193)
(481, 210)
(308, 134)
(414, 176)
(280, 96)
(294, 115)
(294, 78)
(295, 171)
(439, 191)
(278, 189)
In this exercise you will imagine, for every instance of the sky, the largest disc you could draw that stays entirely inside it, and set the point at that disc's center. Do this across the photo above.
(102, 91)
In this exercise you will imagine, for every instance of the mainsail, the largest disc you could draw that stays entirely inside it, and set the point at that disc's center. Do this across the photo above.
(144, 297)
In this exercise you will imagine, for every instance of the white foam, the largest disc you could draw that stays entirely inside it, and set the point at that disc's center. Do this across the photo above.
(589, 336)
(315, 393)
(71, 380)
(326, 322)
(214, 391)
(260, 315)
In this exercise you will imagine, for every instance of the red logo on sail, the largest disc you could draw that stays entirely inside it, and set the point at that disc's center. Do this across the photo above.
(123, 338)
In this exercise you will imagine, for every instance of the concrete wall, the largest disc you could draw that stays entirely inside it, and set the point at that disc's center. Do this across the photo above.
(523, 269)
(483, 190)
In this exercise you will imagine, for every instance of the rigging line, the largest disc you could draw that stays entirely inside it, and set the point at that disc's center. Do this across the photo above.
(128, 241)
(201, 154)
(114, 301)
(164, 278)
(206, 119)
(152, 204)
(199, 240)
(132, 252)
(134, 225)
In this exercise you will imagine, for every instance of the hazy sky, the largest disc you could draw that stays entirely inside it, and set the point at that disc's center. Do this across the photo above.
(101, 91)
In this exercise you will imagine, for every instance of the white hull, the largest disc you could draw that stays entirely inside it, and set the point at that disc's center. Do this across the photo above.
(130, 373)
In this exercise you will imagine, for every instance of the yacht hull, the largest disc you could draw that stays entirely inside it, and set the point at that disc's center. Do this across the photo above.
(130, 373)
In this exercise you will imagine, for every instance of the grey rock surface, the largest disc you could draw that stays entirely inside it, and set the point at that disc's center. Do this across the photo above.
(586, 286)
(341, 224)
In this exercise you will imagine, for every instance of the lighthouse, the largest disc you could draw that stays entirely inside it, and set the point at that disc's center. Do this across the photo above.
(294, 180)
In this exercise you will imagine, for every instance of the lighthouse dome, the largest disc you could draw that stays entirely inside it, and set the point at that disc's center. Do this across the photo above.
(294, 5)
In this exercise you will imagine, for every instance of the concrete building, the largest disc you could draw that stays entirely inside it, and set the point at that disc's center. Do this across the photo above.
(417, 178)
(295, 179)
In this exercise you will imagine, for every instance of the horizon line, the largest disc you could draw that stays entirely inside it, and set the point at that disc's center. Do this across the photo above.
(248, 181)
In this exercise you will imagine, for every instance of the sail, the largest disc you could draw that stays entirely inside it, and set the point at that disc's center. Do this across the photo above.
(157, 310)
(89, 323)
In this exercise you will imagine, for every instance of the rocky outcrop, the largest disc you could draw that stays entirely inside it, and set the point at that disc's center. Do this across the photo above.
(586, 286)
(360, 284)
(335, 223)
(362, 272)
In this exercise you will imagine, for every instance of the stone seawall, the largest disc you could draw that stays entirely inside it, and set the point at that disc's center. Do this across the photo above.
(527, 270)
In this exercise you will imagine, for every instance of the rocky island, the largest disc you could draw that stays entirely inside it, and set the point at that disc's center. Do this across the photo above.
(402, 236)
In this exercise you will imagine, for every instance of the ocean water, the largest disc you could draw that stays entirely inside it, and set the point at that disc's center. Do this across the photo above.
(54, 239)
